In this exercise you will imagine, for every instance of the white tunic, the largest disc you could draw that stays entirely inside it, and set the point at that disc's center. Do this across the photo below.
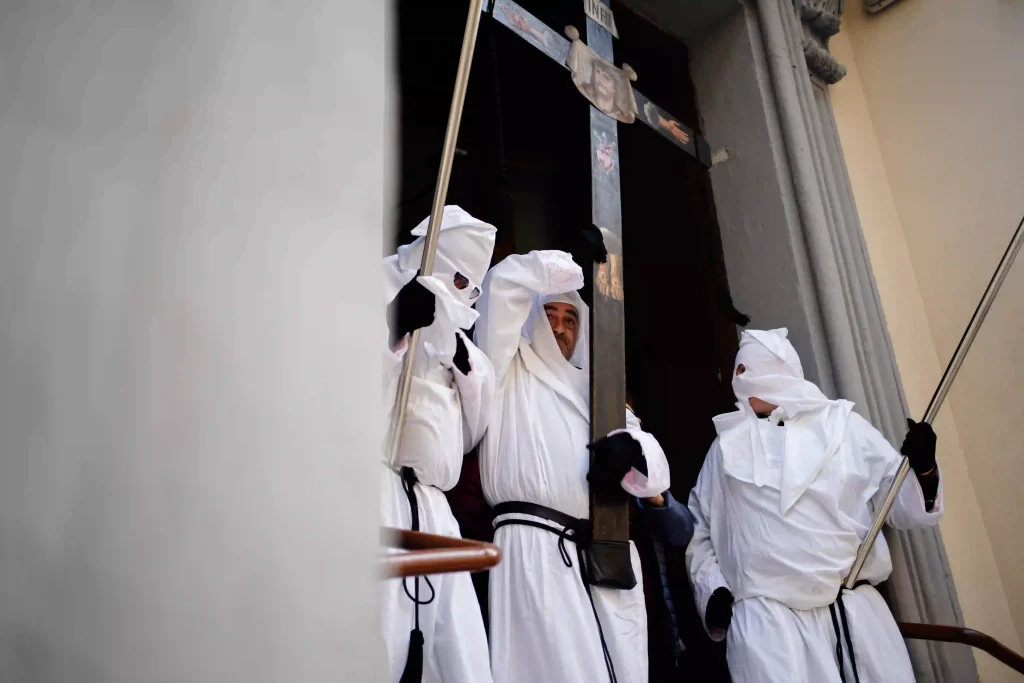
(535, 450)
(446, 416)
(784, 570)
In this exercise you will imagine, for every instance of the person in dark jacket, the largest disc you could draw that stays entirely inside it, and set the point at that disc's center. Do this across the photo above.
(671, 524)
(678, 648)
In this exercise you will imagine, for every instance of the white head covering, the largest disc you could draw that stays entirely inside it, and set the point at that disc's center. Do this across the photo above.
(569, 378)
(774, 374)
(464, 246)
(815, 425)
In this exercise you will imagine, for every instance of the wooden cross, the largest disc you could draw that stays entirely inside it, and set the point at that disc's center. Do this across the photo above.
(610, 514)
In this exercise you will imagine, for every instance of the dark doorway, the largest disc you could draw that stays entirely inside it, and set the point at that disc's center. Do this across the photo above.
(526, 169)
(680, 343)
(523, 157)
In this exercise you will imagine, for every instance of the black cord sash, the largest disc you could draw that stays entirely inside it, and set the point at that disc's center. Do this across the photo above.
(844, 632)
(413, 672)
(573, 529)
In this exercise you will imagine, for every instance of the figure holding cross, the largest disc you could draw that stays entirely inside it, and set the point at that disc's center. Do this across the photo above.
(563, 605)
(562, 456)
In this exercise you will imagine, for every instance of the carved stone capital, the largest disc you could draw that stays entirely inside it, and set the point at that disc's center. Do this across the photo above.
(821, 63)
(820, 20)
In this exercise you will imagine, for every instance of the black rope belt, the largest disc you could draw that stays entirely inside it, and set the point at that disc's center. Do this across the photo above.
(413, 672)
(845, 631)
(573, 529)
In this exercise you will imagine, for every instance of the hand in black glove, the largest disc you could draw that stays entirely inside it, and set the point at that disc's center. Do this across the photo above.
(595, 243)
(919, 446)
(461, 358)
(718, 615)
(412, 309)
(613, 456)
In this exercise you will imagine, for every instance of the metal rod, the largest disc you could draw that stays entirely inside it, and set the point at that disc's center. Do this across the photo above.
(941, 391)
(451, 137)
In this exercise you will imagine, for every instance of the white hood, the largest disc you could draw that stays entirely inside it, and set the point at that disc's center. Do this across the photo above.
(543, 358)
(464, 246)
(815, 425)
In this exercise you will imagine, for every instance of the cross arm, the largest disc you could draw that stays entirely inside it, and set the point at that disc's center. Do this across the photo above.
(535, 32)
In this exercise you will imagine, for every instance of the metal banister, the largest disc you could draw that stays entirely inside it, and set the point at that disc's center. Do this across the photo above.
(433, 554)
(964, 636)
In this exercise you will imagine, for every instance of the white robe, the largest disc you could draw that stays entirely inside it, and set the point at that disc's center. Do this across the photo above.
(535, 450)
(446, 416)
(784, 570)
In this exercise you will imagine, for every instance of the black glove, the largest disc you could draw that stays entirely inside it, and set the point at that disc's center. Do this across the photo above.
(412, 309)
(613, 456)
(919, 446)
(461, 358)
(595, 243)
(719, 612)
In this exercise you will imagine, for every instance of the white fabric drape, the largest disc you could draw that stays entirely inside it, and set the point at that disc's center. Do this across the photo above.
(816, 425)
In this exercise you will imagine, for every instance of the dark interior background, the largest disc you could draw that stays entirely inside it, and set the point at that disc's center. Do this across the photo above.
(524, 166)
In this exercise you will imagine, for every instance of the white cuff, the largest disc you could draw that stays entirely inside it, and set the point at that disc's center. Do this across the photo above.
(705, 588)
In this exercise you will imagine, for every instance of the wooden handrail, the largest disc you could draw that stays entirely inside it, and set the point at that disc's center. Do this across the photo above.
(965, 636)
(433, 554)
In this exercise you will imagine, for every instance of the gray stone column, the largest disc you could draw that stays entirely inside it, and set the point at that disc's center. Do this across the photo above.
(796, 256)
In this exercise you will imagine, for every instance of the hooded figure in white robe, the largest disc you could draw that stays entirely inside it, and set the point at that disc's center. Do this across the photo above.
(542, 624)
(782, 503)
(445, 418)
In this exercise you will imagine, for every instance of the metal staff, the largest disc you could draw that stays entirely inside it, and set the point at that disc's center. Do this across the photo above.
(940, 394)
(451, 136)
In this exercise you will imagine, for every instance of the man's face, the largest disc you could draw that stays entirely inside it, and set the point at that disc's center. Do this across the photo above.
(565, 325)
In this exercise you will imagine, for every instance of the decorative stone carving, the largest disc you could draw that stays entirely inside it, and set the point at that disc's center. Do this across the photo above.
(823, 22)
(820, 20)
(821, 63)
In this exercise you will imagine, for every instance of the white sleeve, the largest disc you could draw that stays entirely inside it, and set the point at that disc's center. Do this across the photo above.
(908, 510)
(507, 297)
(657, 480)
(476, 393)
(701, 560)
(395, 278)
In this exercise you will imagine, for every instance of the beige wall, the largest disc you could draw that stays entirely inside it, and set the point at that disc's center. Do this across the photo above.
(930, 119)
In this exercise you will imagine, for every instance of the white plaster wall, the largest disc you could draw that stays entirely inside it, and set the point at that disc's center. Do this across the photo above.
(189, 386)
(932, 142)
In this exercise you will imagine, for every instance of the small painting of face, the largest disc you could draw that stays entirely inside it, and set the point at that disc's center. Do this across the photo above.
(565, 325)
(604, 88)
